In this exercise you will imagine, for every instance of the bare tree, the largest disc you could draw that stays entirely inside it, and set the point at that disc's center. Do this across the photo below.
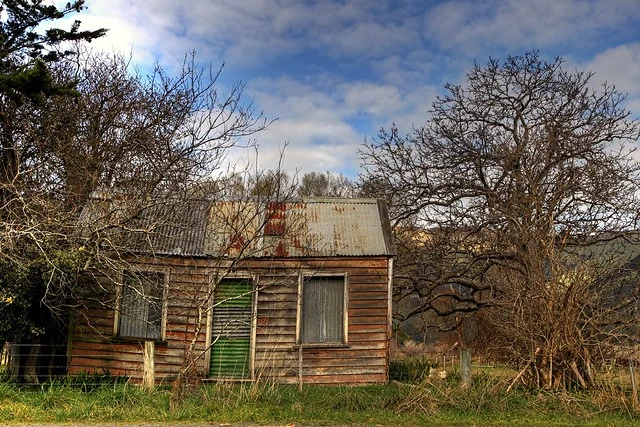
(235, 232)
(140, 156)
(268, 182)
(315, 184)
(516, 176)
(144, 140)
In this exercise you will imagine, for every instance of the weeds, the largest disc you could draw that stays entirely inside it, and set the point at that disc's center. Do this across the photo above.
(413, 369)
(429, 401)
(487, 398)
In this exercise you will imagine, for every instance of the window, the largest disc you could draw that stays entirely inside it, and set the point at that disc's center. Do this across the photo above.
(323, 310)
(141, 305)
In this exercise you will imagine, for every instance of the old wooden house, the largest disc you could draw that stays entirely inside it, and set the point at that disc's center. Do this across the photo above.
(293, 291)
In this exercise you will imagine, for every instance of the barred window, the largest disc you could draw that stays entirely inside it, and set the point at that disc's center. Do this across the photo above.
(141, 305)
(323, 309)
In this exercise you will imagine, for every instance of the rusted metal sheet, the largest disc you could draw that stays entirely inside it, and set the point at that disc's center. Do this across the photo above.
(344, 227)
(203, 228)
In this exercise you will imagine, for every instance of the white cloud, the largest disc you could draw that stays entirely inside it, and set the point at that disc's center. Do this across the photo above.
(333, 71)
(319, 124)
(473, 27)
(368, 39)
(619, 65)
(371, 99)
(311, 121)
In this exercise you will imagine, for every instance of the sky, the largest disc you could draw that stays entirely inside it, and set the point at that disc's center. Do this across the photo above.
(334, 72)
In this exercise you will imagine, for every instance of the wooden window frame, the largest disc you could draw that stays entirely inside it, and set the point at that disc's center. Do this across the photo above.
(141, 269)
(302, 278)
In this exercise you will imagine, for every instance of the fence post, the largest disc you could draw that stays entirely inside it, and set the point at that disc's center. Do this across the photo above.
(465, 367)
(14, 361)
(634, 385)
(148, 375)
(300, 369)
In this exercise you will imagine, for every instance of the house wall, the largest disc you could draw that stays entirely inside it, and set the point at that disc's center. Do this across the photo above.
(94, 347)
(363, 359)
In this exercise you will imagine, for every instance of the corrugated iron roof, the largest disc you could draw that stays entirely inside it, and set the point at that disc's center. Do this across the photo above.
(348, 227)
(170, 228)
(311, 227)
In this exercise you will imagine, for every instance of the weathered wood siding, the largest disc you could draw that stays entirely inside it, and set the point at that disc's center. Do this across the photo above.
(363, 359)
(94, 348)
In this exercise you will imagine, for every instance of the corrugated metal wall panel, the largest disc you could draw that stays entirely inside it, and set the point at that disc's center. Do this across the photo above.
(230, 358)
(313, 227)
(170, 227)
(231, 329)
(346, 228)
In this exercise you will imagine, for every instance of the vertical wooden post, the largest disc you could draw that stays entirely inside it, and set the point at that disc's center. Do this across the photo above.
(300, 369)
(14, 361)
(465, 368)
(634, 385)
(149, 371)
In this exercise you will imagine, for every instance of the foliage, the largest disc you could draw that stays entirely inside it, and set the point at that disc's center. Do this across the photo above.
(25, 51)
(272, 182)
(33, 292)
(20, 40)
(316, 184)
(30, 240)
(15, 302)
(501, 200)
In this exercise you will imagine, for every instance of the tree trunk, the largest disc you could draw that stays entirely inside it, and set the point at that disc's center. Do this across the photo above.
(31, 365)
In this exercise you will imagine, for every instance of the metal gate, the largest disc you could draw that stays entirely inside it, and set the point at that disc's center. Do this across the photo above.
(231, 330)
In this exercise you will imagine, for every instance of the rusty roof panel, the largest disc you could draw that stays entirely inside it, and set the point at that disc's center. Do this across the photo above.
(311, 227)
(346, 227)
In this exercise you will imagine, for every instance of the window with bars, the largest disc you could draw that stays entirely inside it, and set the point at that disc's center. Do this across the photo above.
(141, 305)
(323, 310)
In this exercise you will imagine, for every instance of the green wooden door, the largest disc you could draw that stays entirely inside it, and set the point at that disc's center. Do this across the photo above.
(231, 330)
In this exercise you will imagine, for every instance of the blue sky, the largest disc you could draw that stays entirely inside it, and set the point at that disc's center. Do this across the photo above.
(334, 72)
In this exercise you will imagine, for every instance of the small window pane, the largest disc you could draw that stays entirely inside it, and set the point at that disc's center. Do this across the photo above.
(322, 310)
(141, 305)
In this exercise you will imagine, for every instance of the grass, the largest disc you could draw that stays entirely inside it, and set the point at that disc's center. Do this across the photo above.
(427, 403)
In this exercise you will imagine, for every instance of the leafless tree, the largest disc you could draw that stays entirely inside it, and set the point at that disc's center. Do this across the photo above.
(267, 183)
(145, 140)
(499, 202)
(145, 156)
(317, 184)
(236, 231)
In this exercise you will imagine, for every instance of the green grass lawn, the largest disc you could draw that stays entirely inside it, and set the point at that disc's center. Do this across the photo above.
(485, 404)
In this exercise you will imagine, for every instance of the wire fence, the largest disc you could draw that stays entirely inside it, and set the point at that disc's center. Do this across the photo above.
(36, 364)
(32, 364)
